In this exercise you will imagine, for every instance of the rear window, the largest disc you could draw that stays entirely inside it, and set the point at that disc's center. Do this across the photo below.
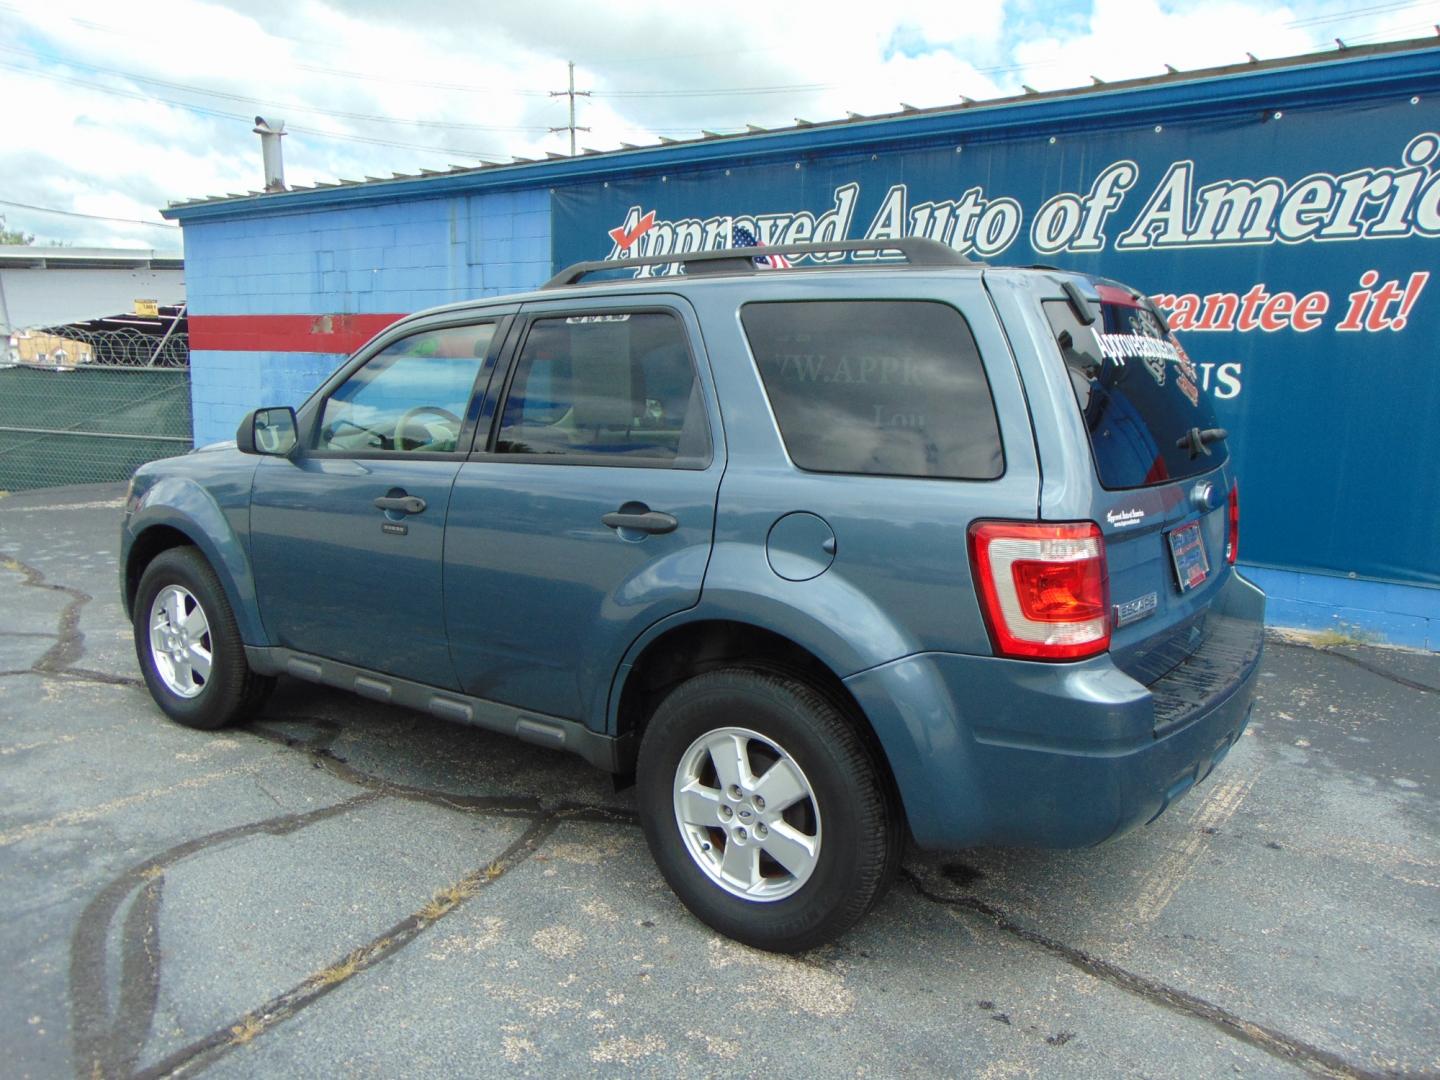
(889, 387)
(1138, 392)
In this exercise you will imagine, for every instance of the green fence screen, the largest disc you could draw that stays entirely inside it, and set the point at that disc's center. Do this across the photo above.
(88, 424)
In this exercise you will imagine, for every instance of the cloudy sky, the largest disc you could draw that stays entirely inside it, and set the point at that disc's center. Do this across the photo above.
(115, 110)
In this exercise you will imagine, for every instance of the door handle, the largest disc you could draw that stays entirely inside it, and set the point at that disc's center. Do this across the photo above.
(403, 504)
(650, 521)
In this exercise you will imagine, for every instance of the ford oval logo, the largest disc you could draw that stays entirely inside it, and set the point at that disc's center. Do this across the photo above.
(1202, 497)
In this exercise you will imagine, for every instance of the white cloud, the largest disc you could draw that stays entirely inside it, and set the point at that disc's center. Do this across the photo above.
(1126, 39)
(88, 140)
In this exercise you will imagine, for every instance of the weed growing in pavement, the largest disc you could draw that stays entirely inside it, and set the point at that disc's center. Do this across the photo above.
(246, 1030)
(338, 973)
(443, 900)
(1344, 634)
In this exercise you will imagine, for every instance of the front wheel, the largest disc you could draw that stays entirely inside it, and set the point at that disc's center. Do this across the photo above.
(765, 809)
(188, 645)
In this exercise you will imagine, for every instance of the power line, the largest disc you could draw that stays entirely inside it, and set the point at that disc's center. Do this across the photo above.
(92, 217)
(1357, 13)
(618, 94)
(224, 115)
(263, 103)
(789, 48)
(1384, 33)
(721, 91)
(317, 110)
(368, 76)
(1344, 16)
(426, 84)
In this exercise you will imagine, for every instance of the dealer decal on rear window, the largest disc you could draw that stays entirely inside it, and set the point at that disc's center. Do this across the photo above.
(1122, 347)
(1155, 353)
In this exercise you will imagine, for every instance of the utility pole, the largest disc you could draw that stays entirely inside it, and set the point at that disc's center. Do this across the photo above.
(572, 94)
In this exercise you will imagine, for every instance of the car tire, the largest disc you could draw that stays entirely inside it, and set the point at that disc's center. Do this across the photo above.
(188, 645)
(784, 875)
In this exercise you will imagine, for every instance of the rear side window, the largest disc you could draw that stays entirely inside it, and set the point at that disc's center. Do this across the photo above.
(889, 387)
(1138, 393)
(615, 388)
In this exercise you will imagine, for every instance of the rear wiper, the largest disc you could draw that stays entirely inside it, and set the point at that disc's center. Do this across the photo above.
(1195, 440)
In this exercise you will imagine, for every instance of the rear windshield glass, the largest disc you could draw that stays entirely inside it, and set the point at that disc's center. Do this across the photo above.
(892, 387)
(1138, 392)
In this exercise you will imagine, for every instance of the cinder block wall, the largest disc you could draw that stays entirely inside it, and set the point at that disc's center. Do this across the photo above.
(248, 279)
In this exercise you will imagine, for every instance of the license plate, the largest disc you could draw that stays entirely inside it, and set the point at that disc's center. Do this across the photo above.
(1187, 549)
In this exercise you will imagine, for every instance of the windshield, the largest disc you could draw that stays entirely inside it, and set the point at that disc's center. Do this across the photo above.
(1138, 393)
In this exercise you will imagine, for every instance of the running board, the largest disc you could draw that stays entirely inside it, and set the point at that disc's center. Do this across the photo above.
(611, 754)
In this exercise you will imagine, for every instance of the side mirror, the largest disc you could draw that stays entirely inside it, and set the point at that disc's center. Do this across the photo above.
(272, 432)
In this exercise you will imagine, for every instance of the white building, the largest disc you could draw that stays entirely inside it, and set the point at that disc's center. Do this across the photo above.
(48, 286)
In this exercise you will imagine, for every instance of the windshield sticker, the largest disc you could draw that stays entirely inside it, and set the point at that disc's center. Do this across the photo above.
(1143, 321)
(1122, 347)
(1155, 353)
(1184, 363)
(1122, 518)
(1189, 389)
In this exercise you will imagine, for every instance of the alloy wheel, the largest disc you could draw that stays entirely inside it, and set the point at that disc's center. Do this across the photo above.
(180, 641)
(747, 813)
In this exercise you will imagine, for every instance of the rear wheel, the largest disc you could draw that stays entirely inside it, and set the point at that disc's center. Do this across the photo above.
(188, 645)
(765, 809)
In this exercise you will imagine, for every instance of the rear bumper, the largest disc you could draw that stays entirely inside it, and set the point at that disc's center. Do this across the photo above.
(1013, 753)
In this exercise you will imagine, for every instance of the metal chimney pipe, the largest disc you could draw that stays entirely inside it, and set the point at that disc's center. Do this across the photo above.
(270, 132)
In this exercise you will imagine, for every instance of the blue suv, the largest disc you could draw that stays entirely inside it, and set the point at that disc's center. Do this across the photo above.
(820, 557)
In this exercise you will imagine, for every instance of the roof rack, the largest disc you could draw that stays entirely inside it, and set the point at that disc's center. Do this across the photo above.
(918, 252)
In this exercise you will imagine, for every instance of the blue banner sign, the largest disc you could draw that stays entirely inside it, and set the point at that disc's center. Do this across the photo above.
(1293, 252)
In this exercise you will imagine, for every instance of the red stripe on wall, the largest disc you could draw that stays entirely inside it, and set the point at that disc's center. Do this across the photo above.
(286, 333)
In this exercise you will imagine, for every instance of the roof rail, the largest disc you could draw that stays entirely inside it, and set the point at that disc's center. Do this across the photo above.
(918, 252)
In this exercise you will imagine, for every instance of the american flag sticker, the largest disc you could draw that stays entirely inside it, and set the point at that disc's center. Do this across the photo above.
(741, 237)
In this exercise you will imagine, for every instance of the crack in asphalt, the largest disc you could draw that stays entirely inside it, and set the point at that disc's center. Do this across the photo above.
(107, 1045)
(518, 806)
(1273, 1042)
(1374, 669)
(70, 644)
(205, 1051)
(59, 660)
(111, 1045)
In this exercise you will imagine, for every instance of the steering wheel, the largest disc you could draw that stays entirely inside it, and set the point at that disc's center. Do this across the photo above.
(410, 414)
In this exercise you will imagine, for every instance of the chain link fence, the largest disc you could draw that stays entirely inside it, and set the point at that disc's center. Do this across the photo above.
(81, 406)
(74, 346)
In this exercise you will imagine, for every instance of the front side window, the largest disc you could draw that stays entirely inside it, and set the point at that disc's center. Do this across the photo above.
(607, 388)
(411, 396)
(889, 387)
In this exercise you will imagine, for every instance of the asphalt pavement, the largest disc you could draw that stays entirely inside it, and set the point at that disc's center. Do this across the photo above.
(342, 888)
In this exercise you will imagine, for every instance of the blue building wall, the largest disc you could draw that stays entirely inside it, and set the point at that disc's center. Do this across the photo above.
(225, 385)
(1378, 612)
(394, 247)
(391, 258)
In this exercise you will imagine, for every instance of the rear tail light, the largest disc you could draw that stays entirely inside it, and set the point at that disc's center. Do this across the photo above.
(1043, 588)
(1232, 539)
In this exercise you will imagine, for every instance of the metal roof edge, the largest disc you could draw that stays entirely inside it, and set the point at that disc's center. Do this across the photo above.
(88, 258)
(1407, 67)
